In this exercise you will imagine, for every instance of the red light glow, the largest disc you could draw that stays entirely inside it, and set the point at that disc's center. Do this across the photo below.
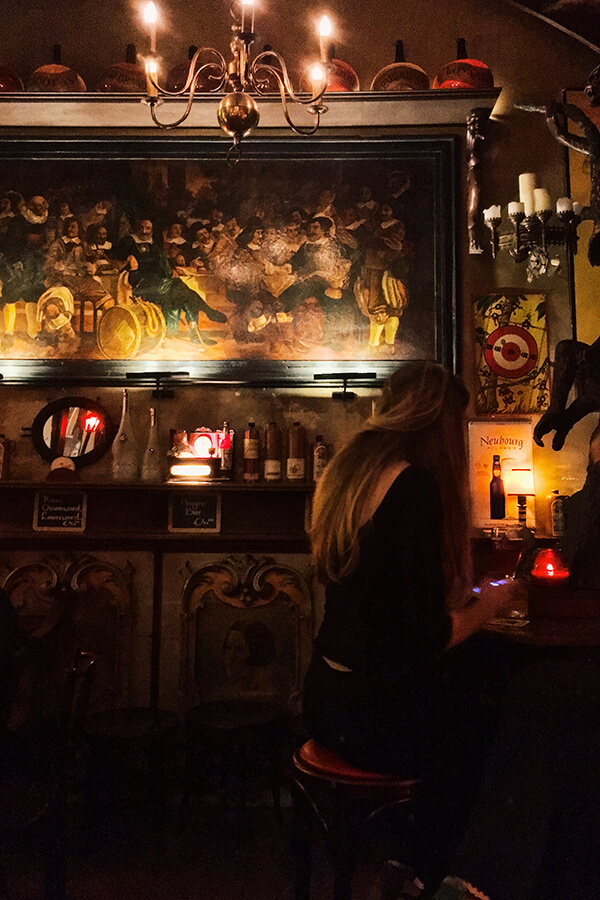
(92, 422)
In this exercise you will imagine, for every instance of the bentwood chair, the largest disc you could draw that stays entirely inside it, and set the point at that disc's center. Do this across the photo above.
(347, 804)
(34, 798)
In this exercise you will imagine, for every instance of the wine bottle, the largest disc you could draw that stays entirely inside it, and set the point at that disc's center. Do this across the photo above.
(497, 495)
(296, 459)
(273, 452)
(151, 470)
(124, 447)
(320, 457)
(251, 453)
(226, 451)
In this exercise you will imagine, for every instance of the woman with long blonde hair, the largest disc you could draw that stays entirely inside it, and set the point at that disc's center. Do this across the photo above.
(391, 540)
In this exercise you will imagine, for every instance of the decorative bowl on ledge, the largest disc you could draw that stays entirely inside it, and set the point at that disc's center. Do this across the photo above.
(563, 602)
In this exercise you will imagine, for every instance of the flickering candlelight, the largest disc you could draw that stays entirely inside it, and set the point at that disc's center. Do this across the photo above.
(324, 33)
(150, 17)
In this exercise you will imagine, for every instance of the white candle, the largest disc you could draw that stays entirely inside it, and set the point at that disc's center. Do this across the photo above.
(564, 204)
(526, 188)
(324, 32)
(493, 212)
(515, 208)
(317, 77)
(151, 71)
(150, 17)
(246, 3)
(541, 200)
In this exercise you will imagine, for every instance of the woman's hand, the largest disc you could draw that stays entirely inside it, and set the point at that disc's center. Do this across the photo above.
(496, 594)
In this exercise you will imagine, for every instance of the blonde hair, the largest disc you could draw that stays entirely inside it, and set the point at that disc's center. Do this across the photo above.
(419, 418)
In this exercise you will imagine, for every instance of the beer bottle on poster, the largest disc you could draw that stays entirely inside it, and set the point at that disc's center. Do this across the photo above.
(124, 447)
(226, 451)
(296, 459)
(320, 457)
(273, 452)
(151, 470)
(251, 453)
(497, 495)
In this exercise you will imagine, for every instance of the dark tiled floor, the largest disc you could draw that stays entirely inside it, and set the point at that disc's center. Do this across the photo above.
(210, 852)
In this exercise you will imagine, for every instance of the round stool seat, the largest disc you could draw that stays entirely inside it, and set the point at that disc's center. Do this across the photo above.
(313, 759)
(131, 724)
(234, 714)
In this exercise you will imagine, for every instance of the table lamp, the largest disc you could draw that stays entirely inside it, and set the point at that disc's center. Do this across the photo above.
(519, 482)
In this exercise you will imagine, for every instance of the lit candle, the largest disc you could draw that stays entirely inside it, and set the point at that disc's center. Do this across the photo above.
(324, 32)
(526, 188)
(541, 200)
(515, 208)
(564, 204)
(246, 3)
(493, 212)
(150, 17)
(151, 72)
(317, 76)
(549, 568)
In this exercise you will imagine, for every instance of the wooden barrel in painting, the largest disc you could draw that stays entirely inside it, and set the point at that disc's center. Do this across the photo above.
(125, 330)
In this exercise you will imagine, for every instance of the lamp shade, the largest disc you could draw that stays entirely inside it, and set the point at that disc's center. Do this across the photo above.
(519, 480)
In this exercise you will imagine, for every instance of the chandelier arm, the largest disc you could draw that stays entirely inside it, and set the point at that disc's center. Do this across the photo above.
(303, 130)
(190, 83)
(282, 77)
(188, 108)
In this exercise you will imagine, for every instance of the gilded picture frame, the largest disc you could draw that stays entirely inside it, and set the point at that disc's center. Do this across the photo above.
(151, 258)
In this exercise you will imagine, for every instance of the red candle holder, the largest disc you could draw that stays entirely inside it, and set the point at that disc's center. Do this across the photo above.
(549, 568)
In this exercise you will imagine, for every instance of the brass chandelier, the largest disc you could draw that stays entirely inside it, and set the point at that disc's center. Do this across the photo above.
(244, 75)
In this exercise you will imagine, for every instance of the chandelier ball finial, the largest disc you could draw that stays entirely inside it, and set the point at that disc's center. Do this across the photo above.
(238, 114)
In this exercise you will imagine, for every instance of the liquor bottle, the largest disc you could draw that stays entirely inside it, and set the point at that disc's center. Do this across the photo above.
(124, 77)
(497, 495)
(558, 504)
(464, 72)
(226, 451)
(4, 457)
(296, 458)
(320, 457)
(124, 447)
(151, 470)
(273, 452)
(251, 454)
(400, 75)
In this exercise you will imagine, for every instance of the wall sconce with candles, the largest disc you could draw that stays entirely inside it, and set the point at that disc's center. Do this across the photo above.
(265, 73)
(532, 232)
(519, 482)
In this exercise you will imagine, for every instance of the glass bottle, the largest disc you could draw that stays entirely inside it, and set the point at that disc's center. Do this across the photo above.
(251, 453)
(401, 75)
(226, 451)
(151, 470)
(497, 495)
(296, 459)
(273, 452)
(320, 457)
(124, 447)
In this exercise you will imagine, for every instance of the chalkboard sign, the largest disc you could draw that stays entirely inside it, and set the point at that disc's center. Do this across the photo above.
(195, 512)
(60, 511)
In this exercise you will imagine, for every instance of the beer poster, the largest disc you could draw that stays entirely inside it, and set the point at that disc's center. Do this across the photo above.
(500, 464)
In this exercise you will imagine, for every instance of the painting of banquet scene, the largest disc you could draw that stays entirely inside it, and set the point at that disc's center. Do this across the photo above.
(278, 259)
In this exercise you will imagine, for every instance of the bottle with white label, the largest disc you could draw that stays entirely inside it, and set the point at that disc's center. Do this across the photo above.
(296, 458)
(251, 453)
(124, 447)
(320, 457)
(151, 470)
(226, 451)
(273, 452)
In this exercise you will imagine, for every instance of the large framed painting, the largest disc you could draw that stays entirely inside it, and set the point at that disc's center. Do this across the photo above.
(150, 256)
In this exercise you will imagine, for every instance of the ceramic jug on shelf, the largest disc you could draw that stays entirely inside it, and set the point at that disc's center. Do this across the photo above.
(55, 78)
(401, 75)
(124, 77)
(464, 72)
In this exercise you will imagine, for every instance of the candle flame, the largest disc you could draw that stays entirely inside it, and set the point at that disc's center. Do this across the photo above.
(325, 27)
(151, 67)
(150, 13)
(248, 2)
(317, 74)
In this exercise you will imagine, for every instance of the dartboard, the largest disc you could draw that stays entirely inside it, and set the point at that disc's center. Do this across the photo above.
(511, 351)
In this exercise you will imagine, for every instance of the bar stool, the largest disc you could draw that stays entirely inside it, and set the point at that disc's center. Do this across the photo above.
(346, 803)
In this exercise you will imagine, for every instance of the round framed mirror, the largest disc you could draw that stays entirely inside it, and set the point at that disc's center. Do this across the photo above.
(74, 427)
